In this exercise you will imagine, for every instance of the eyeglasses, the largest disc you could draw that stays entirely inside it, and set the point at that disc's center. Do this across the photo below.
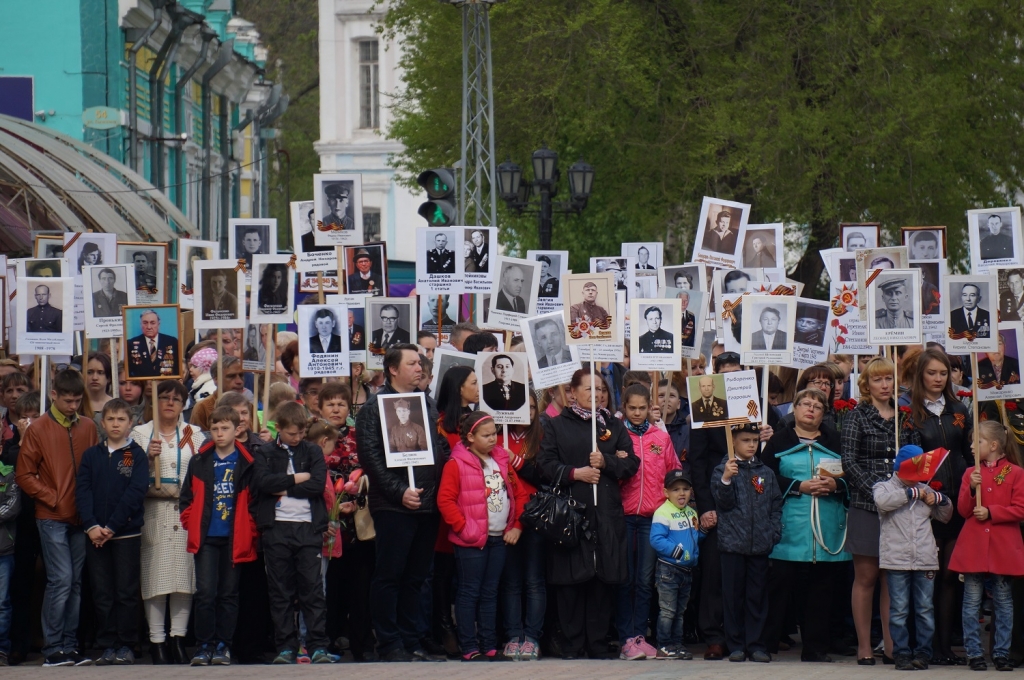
(824, 382)
(170, 399)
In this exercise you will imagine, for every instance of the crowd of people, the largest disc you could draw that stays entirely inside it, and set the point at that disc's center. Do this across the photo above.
(283, 536)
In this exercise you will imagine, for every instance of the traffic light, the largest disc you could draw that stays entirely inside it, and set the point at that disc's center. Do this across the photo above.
(439, 210)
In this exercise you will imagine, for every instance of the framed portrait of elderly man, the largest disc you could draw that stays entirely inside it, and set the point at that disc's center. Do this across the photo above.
(191, 251)
(107, 289)
(718, 230)
(761, 246)
(220, 291)
(924, 243)
(767, 334)
(503, 380)
(153, 339)
(323, 341)
(590, 310)
(248, 238)
(273, 290)
(339, 209)
(999, 371)
(514, 292)
(389, 322)
(552, 360)
(970, 323)
(150, 262)
(723, 399)
(366, 269)
(654, 340)
(870, 263)
(894, 307)
(995, 238)
(404, 423)
(45, 314)
(855, 236)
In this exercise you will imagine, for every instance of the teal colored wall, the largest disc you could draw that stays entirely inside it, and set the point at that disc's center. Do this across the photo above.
(102, 43)
(44, 40)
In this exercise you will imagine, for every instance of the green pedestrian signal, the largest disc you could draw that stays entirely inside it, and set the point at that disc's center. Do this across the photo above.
(439, 210)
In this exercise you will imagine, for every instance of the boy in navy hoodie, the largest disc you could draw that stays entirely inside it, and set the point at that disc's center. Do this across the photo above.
(110, 488)
(214, 506)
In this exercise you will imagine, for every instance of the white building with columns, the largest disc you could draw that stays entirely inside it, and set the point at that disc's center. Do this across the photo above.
(358, 71)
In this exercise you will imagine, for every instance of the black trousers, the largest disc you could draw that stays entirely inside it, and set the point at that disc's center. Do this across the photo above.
(216, 598)
(292, 551)
(114, 573)
(351, 587)
(584, 611)
(27, 549)
(814, 586)
(254, 631)
(710, 618)
(405, 552)
(744, 600)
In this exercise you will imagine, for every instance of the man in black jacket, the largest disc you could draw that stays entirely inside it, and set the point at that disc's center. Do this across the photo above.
(404, 517)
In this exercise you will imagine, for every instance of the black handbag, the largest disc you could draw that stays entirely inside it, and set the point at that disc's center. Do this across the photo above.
(556, 516)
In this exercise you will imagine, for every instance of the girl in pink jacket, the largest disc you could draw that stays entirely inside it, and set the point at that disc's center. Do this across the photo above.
(642, 494)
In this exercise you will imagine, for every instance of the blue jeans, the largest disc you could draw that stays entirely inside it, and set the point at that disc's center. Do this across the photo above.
(673, 594)
(63, 555)
(479, 572)
(6, 571)
(904, 585)
(1002, 608)
(635, 594)
(524, 568)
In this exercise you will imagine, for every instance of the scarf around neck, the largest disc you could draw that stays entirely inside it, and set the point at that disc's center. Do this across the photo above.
(602, 414)
(638, 430)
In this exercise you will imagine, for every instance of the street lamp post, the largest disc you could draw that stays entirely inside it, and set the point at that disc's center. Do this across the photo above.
(516, 193)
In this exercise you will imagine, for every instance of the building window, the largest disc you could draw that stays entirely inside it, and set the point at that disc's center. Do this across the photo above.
(371, 225)
(369, 85)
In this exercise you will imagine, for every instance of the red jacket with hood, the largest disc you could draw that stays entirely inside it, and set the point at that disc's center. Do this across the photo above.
(644, 492)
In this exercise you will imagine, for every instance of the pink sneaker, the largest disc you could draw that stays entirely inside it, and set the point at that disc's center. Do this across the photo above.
(630, 651)
(645, 647)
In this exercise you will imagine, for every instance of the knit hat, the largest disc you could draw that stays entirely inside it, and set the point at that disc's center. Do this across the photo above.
(203, 359)
(913, 464)
(906, 453)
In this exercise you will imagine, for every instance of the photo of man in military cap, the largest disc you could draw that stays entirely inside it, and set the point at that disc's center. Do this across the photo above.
(404, 433)
(144, 276)
(895, 309)
(365, 278)
(548, 277)
(656, 340)
(810, 324)
(339, 211)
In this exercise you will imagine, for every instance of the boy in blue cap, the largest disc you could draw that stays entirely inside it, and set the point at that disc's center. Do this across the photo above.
(907, 550)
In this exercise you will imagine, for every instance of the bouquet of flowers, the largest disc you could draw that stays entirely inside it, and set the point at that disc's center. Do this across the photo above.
(842, 407)
(346, 495)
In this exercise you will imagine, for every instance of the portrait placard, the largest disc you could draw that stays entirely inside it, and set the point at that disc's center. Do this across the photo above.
(514, 292)
(648, 257)
(44, 313)
(48, 246)
(554, 265)
(724, 399)
(995, 237)
(761, 246)
(1011, 293)
(107, 288)
(689, 276)
(854, 236)
(654, 343)
(154, 339)
(388, 323)
(366, 269)
(767, 334)
(924, 243)
(894, 307)
(323, 343)
(809, 346)
(444, 359)
(999, 371)
(479, 251)
(847, 333)
(692, 320)
(731, 319)
(503, 378)
(970, 326)
(718, 229)
(356, 305)
(552, 361)
(590, 310)
(404, 422)
(933, 302)
(191, 251)
(339, 209)
(254, 347)
(871, 262)
(310, 257)
(82, 249)
(439, 269)
(250, 237)
(42, 268)
(150, 265)
(220, 290)
(273, 292)
(437, 315)
(621, 268)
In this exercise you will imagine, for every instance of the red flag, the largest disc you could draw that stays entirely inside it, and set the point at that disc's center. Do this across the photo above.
(923, 467)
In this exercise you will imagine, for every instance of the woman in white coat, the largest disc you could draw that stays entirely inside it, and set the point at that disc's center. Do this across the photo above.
(168, 573)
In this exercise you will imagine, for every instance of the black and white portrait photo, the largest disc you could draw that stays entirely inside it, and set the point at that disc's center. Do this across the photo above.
(503, 378)
(1011, 294)
(404, 423)
(310, 257)
(682, 277)
(995, 238)
(476, 250)
(191, 251)
(44, 268)
(654, 334)
(691, 320)
(931, 279)
(972, 326)
(734, 281)
(82, 250)
(108, 295)
(220, 295)
(445, 358)
(438, 314)
(810, 323)
(549, 342)
(338, 209)
(441, 255)
(924, 243)
(766, 335)
(44, 315)
(323, 341)
(389, 322)
(514, 295)
(150, 262)
(996, 242)
(894, 307)
(648, 257)
(45, 310)
(509, 296)
(48, 247)
(769, 334)
(720, 225)
(761, 246)
(248, 238)
(859, 236)
(550, 266)
(655, 338)
(873, 260)
(366, 269)
(273, 289)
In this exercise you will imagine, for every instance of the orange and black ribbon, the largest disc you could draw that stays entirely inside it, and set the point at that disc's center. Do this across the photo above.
(240, 267)
(969, 336)
(752, 408)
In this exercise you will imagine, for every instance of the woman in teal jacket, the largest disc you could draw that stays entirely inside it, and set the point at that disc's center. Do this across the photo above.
(813, 526)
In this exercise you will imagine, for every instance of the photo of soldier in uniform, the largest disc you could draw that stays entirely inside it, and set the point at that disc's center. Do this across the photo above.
(43, 317)
(549, 269)
(590, 308)
(688, 321)
(219, 295)
(250, 240)
(895, 310)
(722, 229)
(1001, 367)
(337, 196)
(995, 237)
(150, 261)
(404, 421)
(894, 307)
(707, 398)
(153, 346)
(655, 339)
(1011, 294)
(356, 330)
(366, 266)
(931, 298)
(440, 258)
(810, 324)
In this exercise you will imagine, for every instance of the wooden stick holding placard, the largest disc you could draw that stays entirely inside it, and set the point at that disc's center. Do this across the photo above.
(504, 433)
(115, 356)
(896, 397)
(320, 287)
(593, 412)
(977, 434)
(43, 373)
(220, 362)
(267, 367)
(156, 419)
(728, 442)
(764, 395)
(439, 298)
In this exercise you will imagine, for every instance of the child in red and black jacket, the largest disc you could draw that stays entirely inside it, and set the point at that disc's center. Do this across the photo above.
(214, 502)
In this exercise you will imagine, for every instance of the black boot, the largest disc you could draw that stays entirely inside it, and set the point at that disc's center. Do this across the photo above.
(160, 653)
(179, 652)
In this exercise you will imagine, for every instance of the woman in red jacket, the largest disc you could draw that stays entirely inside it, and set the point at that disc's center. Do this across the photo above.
(990, 547)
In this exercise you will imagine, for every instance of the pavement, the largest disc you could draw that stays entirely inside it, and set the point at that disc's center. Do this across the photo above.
(783, 667)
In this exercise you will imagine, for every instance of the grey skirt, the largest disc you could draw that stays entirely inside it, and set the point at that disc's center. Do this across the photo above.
(863, 533)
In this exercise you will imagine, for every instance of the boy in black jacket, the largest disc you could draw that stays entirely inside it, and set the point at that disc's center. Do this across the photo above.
(110, 488)
(291, 475)
(214, 502)
(749, 506)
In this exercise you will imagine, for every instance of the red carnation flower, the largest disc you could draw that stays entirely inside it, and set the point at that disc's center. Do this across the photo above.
(935, 484)
(1011, 406)
(905, 409)
(964, 393)
(835, 322)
